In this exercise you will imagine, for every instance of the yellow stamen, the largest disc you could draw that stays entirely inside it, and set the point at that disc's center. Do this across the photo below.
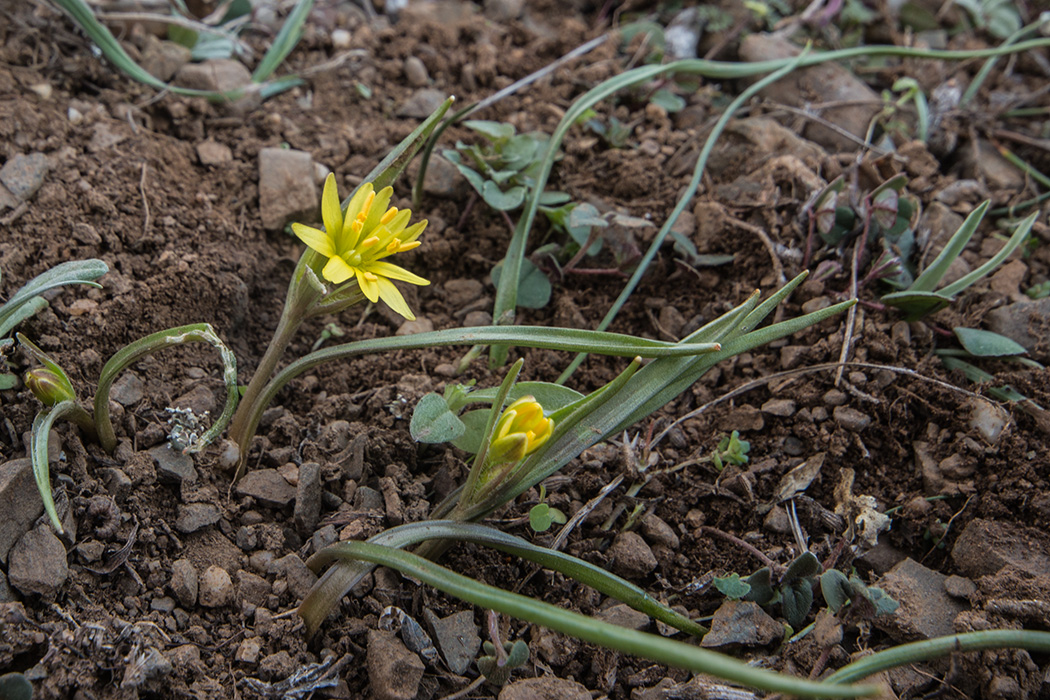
(370, 241)
(370, 277)
(394, 246)
(388, 217)
(367, 206)
(408, 246)
(357, 226)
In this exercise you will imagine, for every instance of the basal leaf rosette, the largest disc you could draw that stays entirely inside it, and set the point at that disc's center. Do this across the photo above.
(357, 243)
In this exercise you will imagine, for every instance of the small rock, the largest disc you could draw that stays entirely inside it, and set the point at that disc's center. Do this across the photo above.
(266, 486)
(216, 587)
(37, 563)
(415, 72)
(251, 588)
(880, 558)
(926, 611)
(672, 321)
(1025, 322)
(324, 537)
(659, 532)
(420, 325)
(213, 153)
(367, 498)
(851, 418)
(185, 657)
(7, 594)
(422, 103)
(779, 407)
(393, 670)
(624, 615)
(184, 582)
(1007, 280)
(988, 418)
(117, 483)
(544, 688)
(901, 333)
(298, 575)
(23, 175)
(743, 418)
(342, 39)
(777, 520)
(738, 622)
(277, 666)
(995, 169)
(504, 10)
(792, 356)
(986, 546)
(286, 187)
(217, 74)
(630, 557)
(457, 638)
(959, 587)
(128, 389)
(163, 59)
(441, 179)
(477, 318)
(308, 498)
(150, 665)
(395, 511)
(196, 516)
(164, 604)
(248, 651)
(461, 292)
(173, 467)
(22, 503)
(834, 397)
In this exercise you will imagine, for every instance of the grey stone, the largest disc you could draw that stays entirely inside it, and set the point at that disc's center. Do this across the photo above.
(880, 558)
(988, 418)
(196, 516)
(163, 59)
(324, 537)
(738, 622)
(422, 103)
(393, 670)
(128, 389)
(163, 604)
(419, 325)
(7, 594)
(297, 574)
(37, 563)
(926, 610)
(659, 532)
(277, 666)
(986, 546)
(117, 483)
(287, 191)
(624, 615)
(248, 651)
(457, 638)
(630, 557)
(851, 418)
(200, 399)
(477, 318)
(544, 688)
(461, 292)
(415, 72)
(503, 10)
(959, 587)
(216, 587)
(251, 588)
(173, 467)
(22, 503)
(1025, 322)
(213, 153)
(442, 178)
(367, 498)
(779, 407)
(218, 74)
(308, 498)
(184, 582)
(23, 175)
(266, 486)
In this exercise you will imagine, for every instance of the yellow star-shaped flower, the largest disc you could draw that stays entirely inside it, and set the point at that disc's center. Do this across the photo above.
(355, 244)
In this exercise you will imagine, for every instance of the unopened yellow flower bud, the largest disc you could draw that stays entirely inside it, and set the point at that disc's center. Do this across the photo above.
(520, 431)
(50, 387)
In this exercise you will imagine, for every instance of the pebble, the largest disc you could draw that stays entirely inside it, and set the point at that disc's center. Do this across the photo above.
(624, 615)
(163, 604)
(216, 587)
(37, 563)
(457, 638)
(251, 588)
(422, 103)
(442, 178)
(21, 499)
(834, 397)
(672, 321)
(297, 574)
(792, 356)
(851, 418)
(900, 332)
(308, 498)
(279, 665)
(117, 483)
(218, 74)
(393, 670)
(248, 651)
(779, 407)
(172, 467)
(926, 610)
(196, 516)
(286, 188)
(415, 72)
(420, 325)
(213, 153)
(657, 531)
(367, 498)
(163, 59)
(477, 318)
(738, 622)
(503, 10)
(342, 39)
(324, 537)
(544, 688)
(23, 175)
(266, 486)
(988, 418)
(959, 587)
(1024, 322)
(184, 582)
(7, 594)
(880, 558)
(461, 292)
(128, 389)
(986, 546)
(630, 557)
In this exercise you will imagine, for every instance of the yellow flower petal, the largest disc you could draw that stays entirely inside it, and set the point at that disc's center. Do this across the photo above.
(370, 287)
(390, 294)
(379, 207)
(331, 214)
(336, 270)
(348, 239)
(385, 269)
(316, 239)
(413, 232)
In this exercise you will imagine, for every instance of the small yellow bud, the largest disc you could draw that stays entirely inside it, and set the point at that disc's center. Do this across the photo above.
(520, 431)
(50, 387)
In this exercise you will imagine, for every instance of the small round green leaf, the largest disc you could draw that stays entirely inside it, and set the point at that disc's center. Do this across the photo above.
(987, 344)
(432, 421)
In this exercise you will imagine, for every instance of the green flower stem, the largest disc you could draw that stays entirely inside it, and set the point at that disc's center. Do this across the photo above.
(576, 569)
(133, 352)
(941, 646)
(42, 425)
(571, 340)
(649, 646)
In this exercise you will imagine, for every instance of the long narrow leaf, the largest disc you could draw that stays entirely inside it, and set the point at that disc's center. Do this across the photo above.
(286, 39)
(1018, 237)
(934, 272)
(72, 272)
(42, 424)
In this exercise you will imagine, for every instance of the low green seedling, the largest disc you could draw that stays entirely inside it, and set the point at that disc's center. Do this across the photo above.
(731, 450)
(1039, 291)
(543, 515)
(497, 667)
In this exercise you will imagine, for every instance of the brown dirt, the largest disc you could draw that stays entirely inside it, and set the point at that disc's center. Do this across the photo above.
(184, 244)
